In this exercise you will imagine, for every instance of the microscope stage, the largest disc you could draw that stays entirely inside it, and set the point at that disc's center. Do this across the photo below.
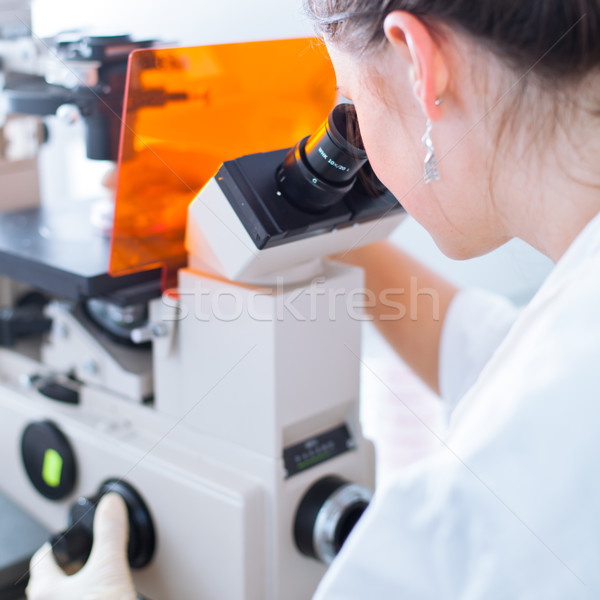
(60, 252)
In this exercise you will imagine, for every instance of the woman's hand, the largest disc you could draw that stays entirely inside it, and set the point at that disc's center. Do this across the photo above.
(105, 575)
(408, 304)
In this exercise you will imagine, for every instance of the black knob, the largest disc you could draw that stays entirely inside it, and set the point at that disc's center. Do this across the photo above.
(327, 514)
(75, 543)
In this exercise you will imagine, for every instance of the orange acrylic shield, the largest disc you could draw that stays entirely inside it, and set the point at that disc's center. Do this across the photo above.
(186, 111)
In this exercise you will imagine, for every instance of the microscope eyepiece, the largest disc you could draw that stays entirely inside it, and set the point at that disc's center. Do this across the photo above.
(335, 151)
(321, 169)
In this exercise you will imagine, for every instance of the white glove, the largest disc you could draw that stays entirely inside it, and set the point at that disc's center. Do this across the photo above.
(105, 575)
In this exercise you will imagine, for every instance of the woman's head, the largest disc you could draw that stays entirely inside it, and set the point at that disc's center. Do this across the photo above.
(557, 38)
(507, 72)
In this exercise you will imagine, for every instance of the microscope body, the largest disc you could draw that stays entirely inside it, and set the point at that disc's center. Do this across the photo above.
(235, 418)
(251, 407)
(259, 353)
(272, 384)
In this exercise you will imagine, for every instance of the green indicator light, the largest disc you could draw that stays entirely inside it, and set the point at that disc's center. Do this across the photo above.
(52, 468)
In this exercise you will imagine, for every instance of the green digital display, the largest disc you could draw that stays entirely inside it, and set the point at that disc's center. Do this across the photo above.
(316, 450)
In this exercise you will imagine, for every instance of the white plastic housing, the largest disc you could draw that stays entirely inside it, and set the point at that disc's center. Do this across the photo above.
(218, 243)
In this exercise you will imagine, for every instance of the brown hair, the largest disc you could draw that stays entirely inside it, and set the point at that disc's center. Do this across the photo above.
(553, 38)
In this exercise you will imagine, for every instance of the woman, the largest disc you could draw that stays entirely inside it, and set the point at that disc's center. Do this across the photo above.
(505, 95)
(508, 95)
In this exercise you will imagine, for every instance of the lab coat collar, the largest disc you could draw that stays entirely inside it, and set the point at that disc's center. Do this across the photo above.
(585, 246)
(573, 265)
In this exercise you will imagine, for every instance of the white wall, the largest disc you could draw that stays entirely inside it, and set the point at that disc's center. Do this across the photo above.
(186, 22)
(515, 270)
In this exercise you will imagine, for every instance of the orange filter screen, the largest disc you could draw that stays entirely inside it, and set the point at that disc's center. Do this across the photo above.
(189, 109)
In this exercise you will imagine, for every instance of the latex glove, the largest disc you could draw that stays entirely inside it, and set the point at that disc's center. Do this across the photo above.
(105, 575)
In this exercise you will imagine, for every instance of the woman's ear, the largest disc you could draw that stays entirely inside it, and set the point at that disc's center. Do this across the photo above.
(410, 36)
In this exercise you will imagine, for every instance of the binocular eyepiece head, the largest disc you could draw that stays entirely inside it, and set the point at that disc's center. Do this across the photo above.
(316, 199)
(321, 169)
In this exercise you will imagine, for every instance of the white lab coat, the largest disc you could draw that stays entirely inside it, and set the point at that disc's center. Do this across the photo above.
(510, 507)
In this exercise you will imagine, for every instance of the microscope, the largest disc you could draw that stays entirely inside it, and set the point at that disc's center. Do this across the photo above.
(224, 410)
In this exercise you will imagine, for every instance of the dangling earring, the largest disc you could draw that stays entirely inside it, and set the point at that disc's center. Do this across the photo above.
(431, 171)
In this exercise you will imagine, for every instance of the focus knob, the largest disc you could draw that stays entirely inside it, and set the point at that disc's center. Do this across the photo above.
(327, 514)
(75, 543)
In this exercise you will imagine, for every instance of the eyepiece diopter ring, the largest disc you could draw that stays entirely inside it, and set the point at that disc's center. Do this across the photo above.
(321, 169)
